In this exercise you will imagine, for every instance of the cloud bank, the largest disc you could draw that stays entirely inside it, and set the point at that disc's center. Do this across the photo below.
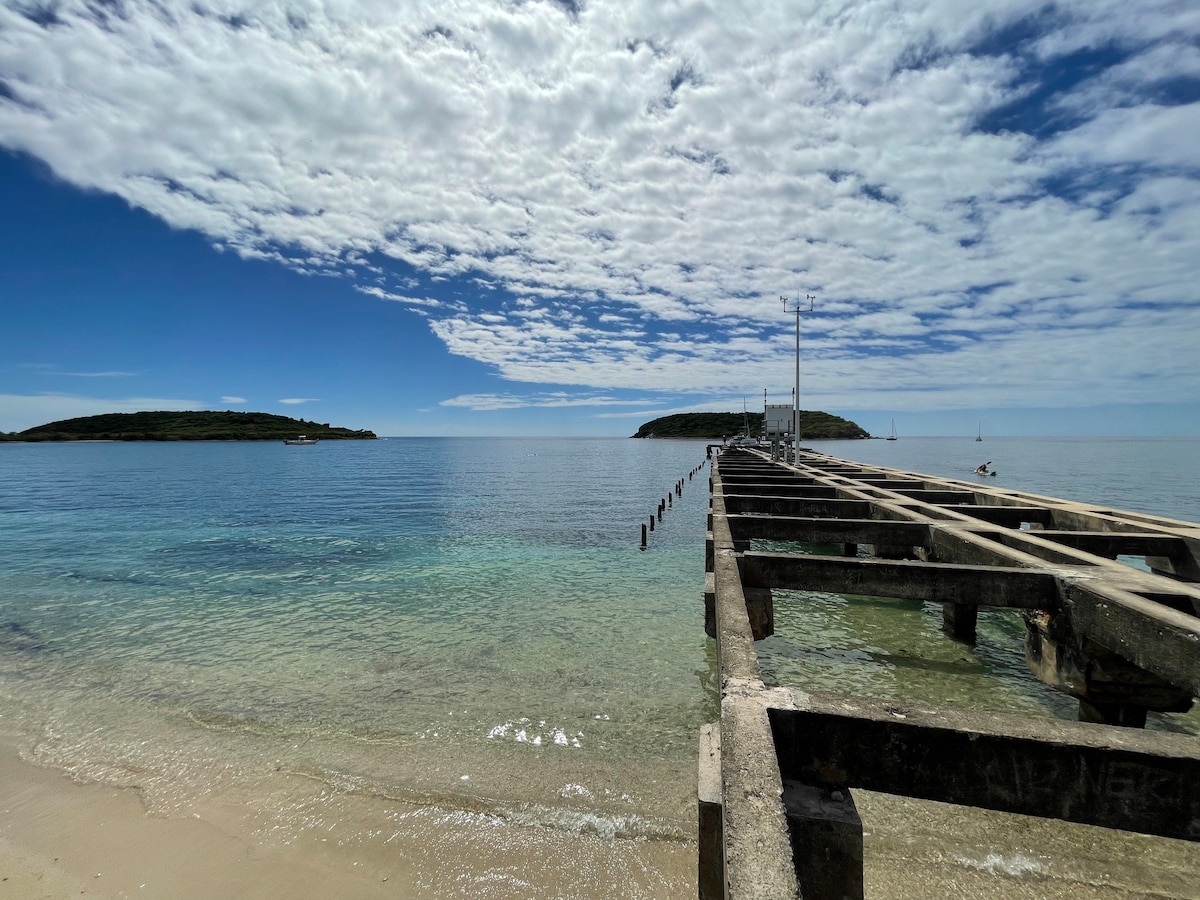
(995, 203)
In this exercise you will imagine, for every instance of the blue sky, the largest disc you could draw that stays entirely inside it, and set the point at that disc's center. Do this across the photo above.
(557, 217)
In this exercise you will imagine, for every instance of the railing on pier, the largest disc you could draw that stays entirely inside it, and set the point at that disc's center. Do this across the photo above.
(777, 817)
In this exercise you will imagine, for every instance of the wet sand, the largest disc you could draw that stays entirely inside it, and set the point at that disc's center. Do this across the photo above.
(61, 839)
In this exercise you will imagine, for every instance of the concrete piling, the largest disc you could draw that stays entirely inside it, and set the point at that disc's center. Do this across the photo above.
(781, 761)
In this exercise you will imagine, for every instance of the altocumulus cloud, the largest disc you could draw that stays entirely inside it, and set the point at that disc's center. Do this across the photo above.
(996, 199)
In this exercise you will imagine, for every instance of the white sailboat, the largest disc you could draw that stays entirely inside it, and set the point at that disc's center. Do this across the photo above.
(892, 436)
(744, 439)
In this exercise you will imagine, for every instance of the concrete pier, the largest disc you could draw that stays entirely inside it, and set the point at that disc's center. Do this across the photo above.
(1121, 640)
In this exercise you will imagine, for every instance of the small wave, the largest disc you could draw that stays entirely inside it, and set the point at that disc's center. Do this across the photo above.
(579, 821)
(523, 731)
(575, 790)
(995, 863)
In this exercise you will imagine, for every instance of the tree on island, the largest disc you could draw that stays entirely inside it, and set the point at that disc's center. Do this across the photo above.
(185, 426)
(814, 425)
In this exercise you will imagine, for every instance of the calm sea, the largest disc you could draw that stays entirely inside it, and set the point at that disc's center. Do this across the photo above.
(467, 623)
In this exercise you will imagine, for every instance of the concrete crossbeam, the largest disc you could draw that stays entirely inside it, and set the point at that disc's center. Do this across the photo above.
(1116, 778)
(1122, 640)
(1011, 588)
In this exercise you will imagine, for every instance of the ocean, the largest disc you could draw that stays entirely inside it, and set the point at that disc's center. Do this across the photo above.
(463, 626)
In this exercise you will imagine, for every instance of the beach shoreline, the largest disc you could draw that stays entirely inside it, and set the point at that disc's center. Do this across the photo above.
(60, 838)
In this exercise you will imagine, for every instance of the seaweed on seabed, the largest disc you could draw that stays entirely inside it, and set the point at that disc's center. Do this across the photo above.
(15, 636)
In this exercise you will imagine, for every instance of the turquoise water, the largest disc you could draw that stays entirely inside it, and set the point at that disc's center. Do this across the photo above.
(470, 623)
(395, 601)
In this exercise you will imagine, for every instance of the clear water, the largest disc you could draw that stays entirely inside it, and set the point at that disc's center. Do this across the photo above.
(470, 623)
(372, 609)
(896, 649)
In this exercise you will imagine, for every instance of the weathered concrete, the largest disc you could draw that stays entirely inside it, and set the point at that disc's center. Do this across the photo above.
(1119, 639)
(827, 841)
(1115, 777)
(1012, 588)
(999, 550)
(711, 872)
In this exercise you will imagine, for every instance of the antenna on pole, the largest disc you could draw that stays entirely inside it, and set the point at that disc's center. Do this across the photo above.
(799, 308)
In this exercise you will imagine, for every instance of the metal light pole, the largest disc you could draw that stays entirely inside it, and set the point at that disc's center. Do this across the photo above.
(796, 395)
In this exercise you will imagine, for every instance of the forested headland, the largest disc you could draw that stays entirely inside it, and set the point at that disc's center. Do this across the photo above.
(185, 426)
(814, 425)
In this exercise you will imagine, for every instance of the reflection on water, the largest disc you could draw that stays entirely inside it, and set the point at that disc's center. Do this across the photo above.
(461, 625)
(192, 617)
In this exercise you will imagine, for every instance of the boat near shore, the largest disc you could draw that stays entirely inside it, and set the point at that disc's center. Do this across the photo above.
(300, 439)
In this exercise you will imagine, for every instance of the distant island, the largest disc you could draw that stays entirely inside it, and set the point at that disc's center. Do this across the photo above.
(185, 426)
(814, 425)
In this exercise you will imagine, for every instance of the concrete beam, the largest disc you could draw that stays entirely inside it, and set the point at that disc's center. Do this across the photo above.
(1112, 777)
(1012, 588)
(941, 497)
(1154, 637)
(1007, 516)
(762, 487)
(758, 851)
(828, 531)
(802, 508)
(1112, 544)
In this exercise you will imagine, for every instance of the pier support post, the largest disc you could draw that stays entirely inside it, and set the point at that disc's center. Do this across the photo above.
(1122, 714)
(760, 609)
(890, 551)
(959, 620)
(827, 841)
(710, 879)
(1110, 689)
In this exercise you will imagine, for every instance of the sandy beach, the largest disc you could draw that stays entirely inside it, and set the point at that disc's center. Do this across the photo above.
(62, 839)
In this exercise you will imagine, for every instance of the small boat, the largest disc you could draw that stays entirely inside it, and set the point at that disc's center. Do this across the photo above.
(301, 439)
(744, 439)
(979, 436)
(892, 436)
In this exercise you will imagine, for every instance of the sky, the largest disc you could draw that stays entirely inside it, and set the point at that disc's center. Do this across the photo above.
(542, 217)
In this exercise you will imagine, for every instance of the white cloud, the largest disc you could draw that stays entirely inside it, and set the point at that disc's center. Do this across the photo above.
(234, 400)
(293, 401)
(545, 401)
(94, 374)
(643, 167)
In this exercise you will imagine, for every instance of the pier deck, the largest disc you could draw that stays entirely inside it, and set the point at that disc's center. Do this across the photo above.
(777, 815)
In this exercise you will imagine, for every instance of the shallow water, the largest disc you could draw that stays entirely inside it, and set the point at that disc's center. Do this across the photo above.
(365, 610)
(466, 624)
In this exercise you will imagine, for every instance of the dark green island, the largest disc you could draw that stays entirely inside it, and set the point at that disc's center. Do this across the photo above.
(814, 426)
(185, 426)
